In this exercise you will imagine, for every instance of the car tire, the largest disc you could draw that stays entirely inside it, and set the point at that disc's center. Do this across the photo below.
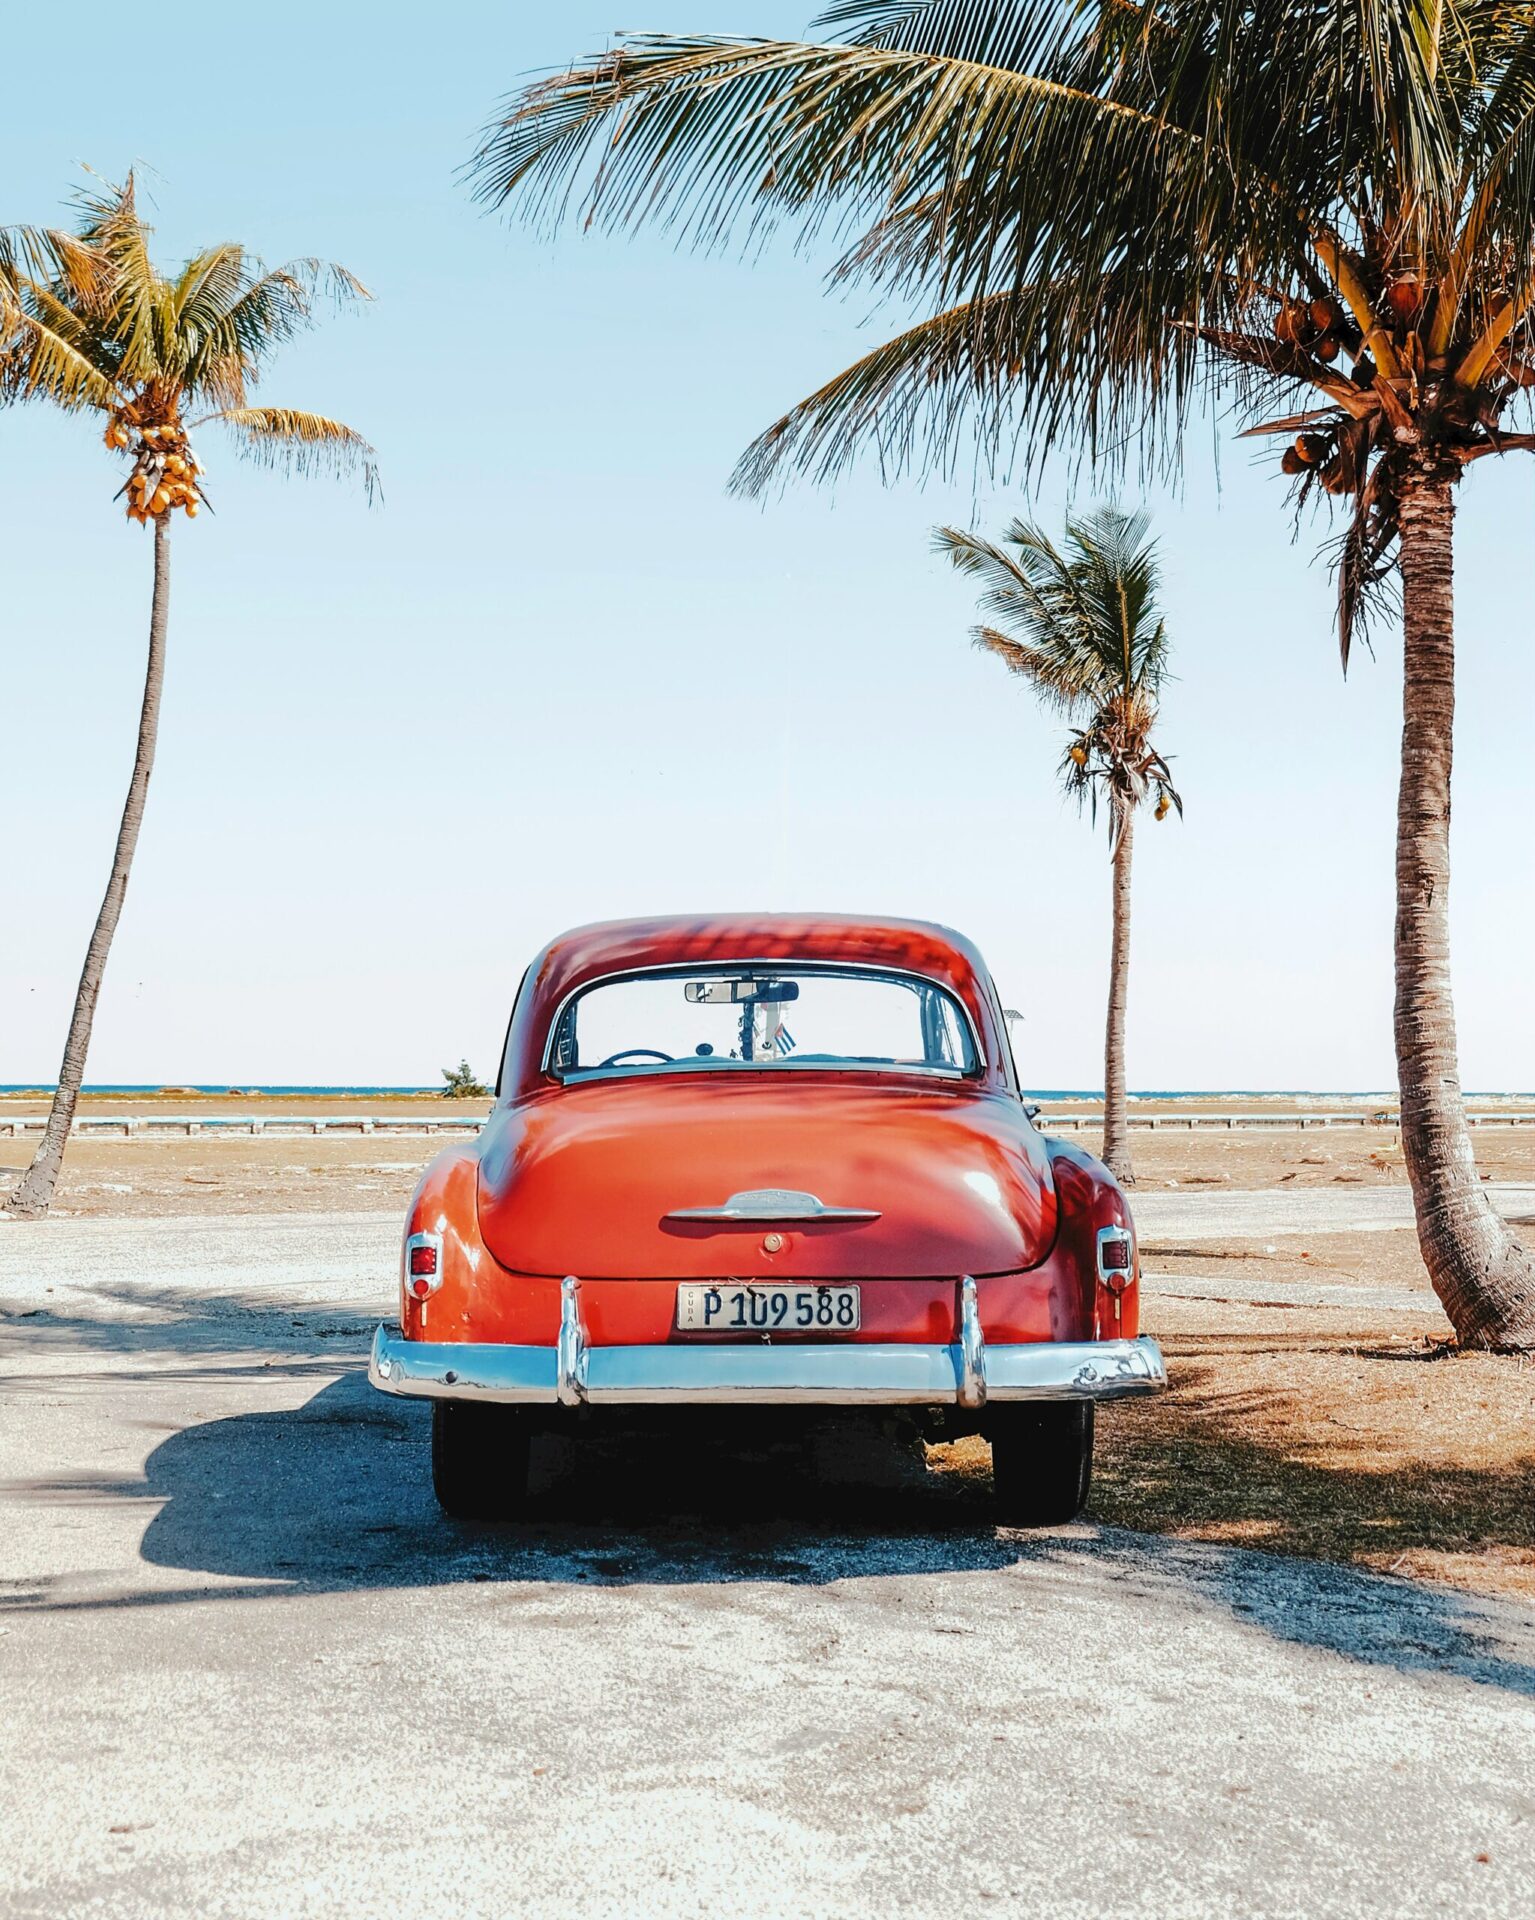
(479, 1460)
(1041, 1461)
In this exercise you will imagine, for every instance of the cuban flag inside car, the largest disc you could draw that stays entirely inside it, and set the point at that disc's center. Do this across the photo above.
(783, 1040)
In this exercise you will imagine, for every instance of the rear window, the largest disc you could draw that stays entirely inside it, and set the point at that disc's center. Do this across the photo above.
(748, 1017)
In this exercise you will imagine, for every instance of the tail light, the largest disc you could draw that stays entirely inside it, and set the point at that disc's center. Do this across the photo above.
(423, 1264)
(1116, 1257)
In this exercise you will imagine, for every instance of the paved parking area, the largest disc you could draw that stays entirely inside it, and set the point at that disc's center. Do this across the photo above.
(246, 1669)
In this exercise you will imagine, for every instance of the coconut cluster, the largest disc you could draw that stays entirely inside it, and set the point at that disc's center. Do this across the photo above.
(165, 469)
(1323, 329)
(1316, 325)
(1079, 752)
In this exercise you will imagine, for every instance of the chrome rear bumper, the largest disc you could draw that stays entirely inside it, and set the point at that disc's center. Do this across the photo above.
(863, 1373)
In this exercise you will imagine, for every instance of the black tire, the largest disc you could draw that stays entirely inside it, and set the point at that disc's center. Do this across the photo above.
(1041, 1461)
(479, 1460)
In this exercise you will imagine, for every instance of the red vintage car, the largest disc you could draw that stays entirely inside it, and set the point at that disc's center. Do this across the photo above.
(771, 1160)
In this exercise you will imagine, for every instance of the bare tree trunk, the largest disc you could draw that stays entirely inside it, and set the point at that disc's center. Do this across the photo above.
(33, 1197)
(1116, 1122)
(1481, 1274)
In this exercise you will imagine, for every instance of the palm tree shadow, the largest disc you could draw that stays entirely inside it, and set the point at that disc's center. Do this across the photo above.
(1371, 1618)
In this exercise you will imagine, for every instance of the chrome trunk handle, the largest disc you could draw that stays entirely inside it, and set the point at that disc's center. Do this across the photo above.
(772, 1203)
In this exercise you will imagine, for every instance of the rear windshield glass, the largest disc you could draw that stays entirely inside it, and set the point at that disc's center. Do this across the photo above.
(745, 1018)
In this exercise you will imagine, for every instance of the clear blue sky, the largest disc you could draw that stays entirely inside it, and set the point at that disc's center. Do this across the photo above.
(560, 674)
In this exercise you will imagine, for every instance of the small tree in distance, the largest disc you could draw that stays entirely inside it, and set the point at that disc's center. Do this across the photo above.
(463, 1083)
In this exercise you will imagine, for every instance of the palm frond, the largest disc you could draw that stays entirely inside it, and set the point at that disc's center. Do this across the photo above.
(705, 131)
(909, 401)
(52, 353)
(1080, 622)
(134, 294)
(1052, 639)
(1361, 562)
(1097, 212)
(1115, 561)
(272, 306)
(1047, 673)
(207, 285)
(39, 257)
(298, 442)
(48, 254)
(975, 30)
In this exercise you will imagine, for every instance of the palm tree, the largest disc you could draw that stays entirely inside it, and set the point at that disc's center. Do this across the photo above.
(1083, 629)
(1103, 214)
(88, 323)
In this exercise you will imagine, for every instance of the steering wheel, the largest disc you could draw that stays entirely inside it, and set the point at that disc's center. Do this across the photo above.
(629, 1053)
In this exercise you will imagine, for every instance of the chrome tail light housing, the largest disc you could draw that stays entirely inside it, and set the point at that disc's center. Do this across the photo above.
(1116, 1258)
(421, 1265)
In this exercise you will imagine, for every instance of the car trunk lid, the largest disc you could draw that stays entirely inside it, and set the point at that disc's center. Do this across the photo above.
(782, 1176)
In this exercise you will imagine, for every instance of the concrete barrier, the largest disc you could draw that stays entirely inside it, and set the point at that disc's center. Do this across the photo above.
(1262, 1122)
(140, 1126)
(210, 1126)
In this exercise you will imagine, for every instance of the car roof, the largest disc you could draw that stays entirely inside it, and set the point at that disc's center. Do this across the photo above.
(612, 946)
(584, 954)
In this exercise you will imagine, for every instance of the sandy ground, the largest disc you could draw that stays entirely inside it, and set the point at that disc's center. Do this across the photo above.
(115, 1177)
(250, 1673)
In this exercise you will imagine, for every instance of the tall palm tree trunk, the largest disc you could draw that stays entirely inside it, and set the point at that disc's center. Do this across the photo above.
(32, 1198)
(1482, 1276)
(1116, 1121)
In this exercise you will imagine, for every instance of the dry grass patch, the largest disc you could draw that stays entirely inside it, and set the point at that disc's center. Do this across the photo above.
(1339, 1156)
(1385, 1258)
(1372, 1444)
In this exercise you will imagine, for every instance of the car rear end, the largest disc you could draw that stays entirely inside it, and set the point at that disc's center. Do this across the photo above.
(768, 1232)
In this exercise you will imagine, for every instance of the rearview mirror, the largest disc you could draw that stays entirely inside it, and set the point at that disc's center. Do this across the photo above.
(740, 993)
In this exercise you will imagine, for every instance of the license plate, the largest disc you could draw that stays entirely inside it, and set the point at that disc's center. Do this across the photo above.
(735, 1306)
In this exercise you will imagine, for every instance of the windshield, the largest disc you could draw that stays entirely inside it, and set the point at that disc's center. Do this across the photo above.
(741, 1017)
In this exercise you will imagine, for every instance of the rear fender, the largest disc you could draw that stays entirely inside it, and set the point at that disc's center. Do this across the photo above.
(1089, 1197)
(446, 1204)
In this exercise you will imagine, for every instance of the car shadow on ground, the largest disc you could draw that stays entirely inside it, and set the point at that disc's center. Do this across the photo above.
(334, 1495)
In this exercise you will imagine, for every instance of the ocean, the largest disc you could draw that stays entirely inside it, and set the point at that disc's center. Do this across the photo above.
(224, 1089)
